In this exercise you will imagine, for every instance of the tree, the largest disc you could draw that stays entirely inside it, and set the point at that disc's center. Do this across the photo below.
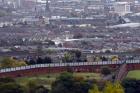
(114, 58)
(131, 85)
(6, 80)
(66, 83)
(105, 71)
(39, 60)
(97, 59)
(20, 63)
(63, 84)
(11, 88)
(108, 88)
(94, 89)
(9, 85)
(31, 86)
(65, 76)
(67, 57)
(113, 88)
(31, 61)
(118, 88)
(104, 59)
(60, 45)
(41, 89)
(7, 62)
(47, 60)
(10, 62)
(78, 54)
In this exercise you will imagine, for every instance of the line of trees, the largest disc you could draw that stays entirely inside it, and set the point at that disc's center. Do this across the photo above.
(9, 85)
(40, 60)
(68, 83)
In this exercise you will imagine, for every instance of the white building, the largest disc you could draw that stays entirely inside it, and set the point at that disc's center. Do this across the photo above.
(122, 8)
(42, 1)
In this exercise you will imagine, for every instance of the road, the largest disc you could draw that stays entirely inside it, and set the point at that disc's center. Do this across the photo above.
(25, 54)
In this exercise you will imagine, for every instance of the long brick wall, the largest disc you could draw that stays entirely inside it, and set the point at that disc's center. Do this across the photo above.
(74, 67)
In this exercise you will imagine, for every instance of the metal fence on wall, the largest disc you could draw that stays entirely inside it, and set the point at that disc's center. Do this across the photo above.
(69, 64)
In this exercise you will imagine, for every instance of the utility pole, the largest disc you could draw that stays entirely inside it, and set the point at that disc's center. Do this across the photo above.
(36, 6)
(47, 9)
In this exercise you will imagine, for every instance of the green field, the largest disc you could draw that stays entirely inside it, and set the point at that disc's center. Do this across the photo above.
(134, 74)
(47, 80)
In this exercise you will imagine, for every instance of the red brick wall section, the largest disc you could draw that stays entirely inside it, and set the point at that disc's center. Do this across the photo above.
(41, 71)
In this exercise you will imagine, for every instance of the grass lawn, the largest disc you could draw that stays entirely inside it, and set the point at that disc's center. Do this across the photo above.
(47, 80)
(134, 74)
(88, 75)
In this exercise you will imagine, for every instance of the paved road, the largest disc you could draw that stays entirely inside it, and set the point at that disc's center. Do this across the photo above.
(24, 54)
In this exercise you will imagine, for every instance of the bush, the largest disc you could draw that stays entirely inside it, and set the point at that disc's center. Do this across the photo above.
(105, 71)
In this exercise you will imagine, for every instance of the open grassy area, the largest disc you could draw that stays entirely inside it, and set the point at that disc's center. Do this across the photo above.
(134, 74)
(88, 75)
(47, 80)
